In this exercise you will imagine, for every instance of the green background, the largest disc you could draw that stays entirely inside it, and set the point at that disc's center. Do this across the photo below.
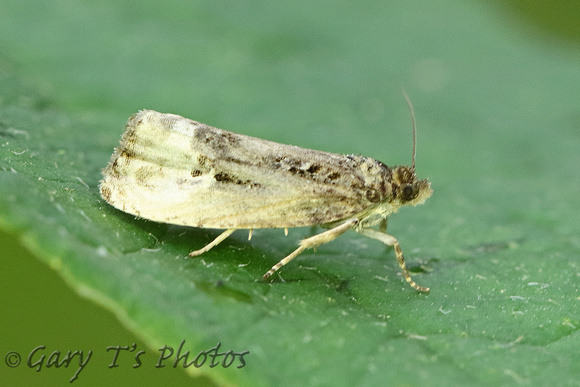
(496, 90)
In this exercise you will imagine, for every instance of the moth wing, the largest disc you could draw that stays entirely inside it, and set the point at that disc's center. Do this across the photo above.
(174, 170)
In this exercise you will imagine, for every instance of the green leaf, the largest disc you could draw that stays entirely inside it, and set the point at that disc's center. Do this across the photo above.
(497, 111)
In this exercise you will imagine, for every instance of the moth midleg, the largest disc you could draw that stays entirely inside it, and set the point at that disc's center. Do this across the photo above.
(313, 242)
(213, 243)
(390, 240)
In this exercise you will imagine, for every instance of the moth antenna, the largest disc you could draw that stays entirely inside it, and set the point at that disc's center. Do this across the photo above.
(414, 128)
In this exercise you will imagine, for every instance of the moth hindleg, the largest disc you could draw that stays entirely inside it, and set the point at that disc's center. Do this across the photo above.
(390, 240)
(312, 242)
(213, 243)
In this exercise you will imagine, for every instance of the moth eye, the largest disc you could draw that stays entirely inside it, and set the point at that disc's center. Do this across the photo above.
(409, 192)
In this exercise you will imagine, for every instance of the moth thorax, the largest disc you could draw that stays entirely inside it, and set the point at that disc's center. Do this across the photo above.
(378, 182)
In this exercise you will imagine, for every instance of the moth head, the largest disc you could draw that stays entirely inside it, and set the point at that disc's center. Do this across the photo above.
(407, 189)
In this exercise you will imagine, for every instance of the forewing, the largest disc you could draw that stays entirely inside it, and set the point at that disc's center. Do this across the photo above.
(174, 170)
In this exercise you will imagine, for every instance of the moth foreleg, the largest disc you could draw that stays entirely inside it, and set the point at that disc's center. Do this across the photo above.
(213, 243)
(312, 242)
(390, 240)
(383, 225)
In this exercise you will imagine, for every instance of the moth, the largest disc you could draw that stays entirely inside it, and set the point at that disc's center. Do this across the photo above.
(175, 170)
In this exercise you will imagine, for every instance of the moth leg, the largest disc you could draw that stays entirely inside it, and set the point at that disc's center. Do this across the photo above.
(383, 225)
(313, 242)
(213, 243)
(390, 240)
